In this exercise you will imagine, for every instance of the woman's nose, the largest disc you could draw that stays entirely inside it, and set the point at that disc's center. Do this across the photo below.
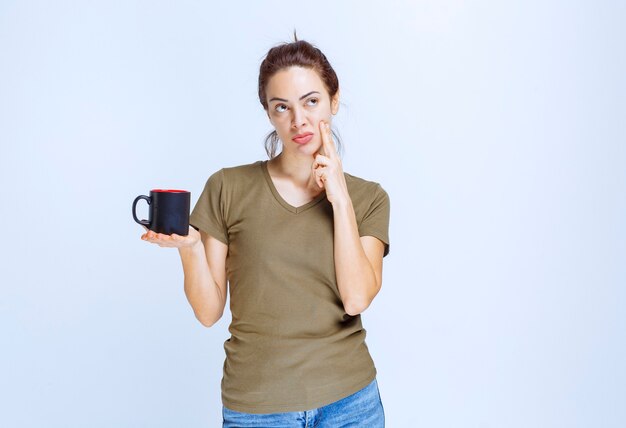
(298, 118)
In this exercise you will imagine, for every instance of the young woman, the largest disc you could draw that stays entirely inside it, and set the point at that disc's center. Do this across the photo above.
(301, 243)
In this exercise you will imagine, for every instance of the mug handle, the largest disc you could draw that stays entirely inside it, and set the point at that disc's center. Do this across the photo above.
(144, 222)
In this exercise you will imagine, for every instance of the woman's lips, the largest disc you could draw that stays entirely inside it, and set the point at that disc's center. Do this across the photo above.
(303, 140)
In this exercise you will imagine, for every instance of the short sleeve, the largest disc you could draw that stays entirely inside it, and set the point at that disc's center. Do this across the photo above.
(375, 222)
(208, 213)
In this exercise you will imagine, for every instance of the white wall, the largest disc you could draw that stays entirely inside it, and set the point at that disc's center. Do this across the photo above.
(497, 129)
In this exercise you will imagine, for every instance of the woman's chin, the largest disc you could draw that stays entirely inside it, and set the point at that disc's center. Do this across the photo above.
(306, 149)
(311, 148)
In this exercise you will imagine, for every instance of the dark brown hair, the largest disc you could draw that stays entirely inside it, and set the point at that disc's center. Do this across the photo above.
(298, 53)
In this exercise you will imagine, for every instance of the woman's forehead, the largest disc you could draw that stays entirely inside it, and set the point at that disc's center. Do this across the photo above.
(294, 79)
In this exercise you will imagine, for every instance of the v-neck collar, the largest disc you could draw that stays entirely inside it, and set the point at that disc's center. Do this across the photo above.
(281, 201)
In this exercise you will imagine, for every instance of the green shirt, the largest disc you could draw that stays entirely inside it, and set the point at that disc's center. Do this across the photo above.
(292, 345)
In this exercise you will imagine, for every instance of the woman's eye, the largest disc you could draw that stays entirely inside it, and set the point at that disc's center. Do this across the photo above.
(279, 107)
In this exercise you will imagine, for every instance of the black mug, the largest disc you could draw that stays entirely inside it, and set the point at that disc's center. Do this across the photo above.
(168, 212)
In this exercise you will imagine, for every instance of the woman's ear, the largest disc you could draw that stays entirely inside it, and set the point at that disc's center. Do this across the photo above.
(334, 104)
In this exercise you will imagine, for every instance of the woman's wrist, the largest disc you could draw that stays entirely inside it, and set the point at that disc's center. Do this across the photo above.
(342, 203)
(196, 248)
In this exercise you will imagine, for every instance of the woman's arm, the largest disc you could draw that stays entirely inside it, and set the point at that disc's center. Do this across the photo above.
(204, 266)
(358, 261)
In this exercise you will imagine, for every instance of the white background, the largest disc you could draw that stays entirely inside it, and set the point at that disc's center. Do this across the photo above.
(497, 128)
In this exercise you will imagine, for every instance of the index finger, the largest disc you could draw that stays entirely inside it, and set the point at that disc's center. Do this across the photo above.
(327, 140)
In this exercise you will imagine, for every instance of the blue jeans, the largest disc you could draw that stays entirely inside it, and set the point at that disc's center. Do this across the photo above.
(364, 408)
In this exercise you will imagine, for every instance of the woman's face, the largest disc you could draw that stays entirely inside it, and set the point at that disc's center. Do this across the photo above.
(297, 101)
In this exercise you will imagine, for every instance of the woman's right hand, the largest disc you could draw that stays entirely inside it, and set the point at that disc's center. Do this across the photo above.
(173, 240)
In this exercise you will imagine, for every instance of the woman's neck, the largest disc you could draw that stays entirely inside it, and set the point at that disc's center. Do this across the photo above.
(295, 168)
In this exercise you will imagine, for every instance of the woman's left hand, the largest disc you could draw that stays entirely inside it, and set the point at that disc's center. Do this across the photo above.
(327, 168)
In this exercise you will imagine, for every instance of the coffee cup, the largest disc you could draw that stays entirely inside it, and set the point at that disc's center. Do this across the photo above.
(168, 211)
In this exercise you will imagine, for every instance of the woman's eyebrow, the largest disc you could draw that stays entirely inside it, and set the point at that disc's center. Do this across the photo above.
(302, 97)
